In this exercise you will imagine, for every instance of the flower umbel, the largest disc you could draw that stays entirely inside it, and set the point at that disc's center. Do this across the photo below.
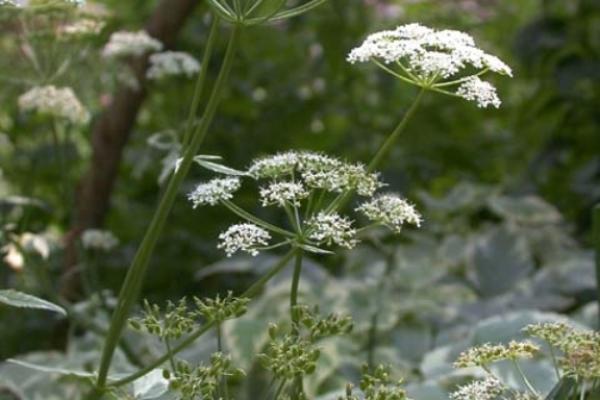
(130, 44)
(214, 191)
(172, 63)
(390, 210)
(434, 59)
(244, 237)
(488, 389)
(55, 102)
(332, 229)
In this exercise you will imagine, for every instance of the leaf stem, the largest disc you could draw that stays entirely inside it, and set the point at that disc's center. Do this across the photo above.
(294, 292)
(137, 271)
(247, 216)
(524, 377)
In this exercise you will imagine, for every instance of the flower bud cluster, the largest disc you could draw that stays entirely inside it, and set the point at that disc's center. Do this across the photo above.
(486, 354)
(377, 385)
(201, 382)
(290, 357)
(320, 328)
(221, 309)
(172, 323)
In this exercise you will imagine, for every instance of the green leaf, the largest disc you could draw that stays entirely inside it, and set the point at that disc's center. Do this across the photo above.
(151, 385)
(314, 249)
(219, 168)
(23, 300)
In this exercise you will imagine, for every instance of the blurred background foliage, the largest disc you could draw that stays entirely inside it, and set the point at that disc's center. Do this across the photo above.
(506, 194)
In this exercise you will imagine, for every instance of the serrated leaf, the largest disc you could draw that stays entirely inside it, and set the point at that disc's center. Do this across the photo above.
(23, 300)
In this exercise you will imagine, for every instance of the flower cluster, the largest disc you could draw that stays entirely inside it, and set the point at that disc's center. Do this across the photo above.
(309, 187)
(172, 63)
(486, 354)
(134, 44)
(429, 58)
(214, 191)
(377, 385)
(55, 102)
(290, 357)
(244, 237)
(332, 229)
(221, 309)
(173, 323)
(82, 27)
(390, 210)
(96, 239)
(487, 389)
(202, 381)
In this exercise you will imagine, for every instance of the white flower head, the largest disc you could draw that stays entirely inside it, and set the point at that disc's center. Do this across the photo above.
(426, 52)
(172, 63)
(488, 389)
(124, 44)
(53, 101)
(96, 239)
(282, 193)
(83, 27)
(481, 92)
(214, 191)
(390, 210)
(244, 237)
(332, 229)
(276, 166)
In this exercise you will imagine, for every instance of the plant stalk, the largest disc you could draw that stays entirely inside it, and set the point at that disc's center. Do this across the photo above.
(596, 244)
(294, 292)
(250, 292)
(139, 266)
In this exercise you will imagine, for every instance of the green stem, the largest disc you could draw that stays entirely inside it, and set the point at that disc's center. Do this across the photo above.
(583, 389)
(596, 244)
(250, 292)
(554, 361)
(137, 271)
(294, 292)
(223, 383)
(279, 390)
(199, 89)
(525, 380)
(394, 73)
(171, 359)
(389, 142)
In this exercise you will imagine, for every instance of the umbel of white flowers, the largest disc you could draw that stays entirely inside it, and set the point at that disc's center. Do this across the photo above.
(437, 60)
(55, 102)
(172, 63)
(308, 187)
(130, 44)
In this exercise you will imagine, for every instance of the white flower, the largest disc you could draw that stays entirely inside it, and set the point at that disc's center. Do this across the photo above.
(214, 191)
(390, 210)
(282, 193)
(83, 27)
(488, 389)
(172, 63)
(123, 44)
(481, 92)
(426, 52)
(9, 3)
(95, 239)
(245, 237)
(332, 229)
(57, 102)
(282, 164)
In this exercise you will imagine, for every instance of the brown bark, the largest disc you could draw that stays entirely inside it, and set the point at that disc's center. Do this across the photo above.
(111, 132)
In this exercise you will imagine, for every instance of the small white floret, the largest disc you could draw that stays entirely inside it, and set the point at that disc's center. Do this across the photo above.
(391, 211)
(332, 229)
(96, 239)
(56, 102)
(126, 44)
(214, 191)
(172, 63)
(282, 193)
(481, 92)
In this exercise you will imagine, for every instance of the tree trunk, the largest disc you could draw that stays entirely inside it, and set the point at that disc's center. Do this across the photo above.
(110, 134)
